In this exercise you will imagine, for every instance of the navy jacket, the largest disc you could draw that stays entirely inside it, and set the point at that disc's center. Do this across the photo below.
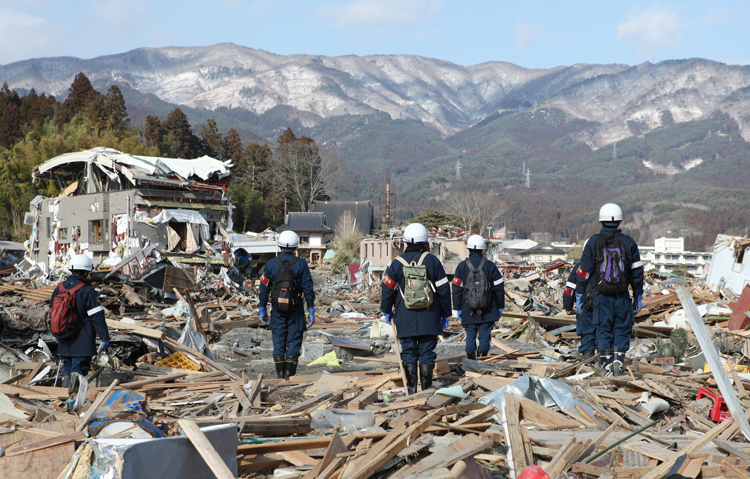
(569, 295)
(416, 322)
(304, 281)
(586, 268)
(91, 311)
(495, 279)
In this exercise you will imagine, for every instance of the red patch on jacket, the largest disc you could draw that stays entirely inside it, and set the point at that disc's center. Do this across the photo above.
(457, 281)
(264, 280)
(568, 291)
(583, 274)
(388, 282)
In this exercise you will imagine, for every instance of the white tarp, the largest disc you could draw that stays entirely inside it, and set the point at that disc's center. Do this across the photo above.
(178, 215)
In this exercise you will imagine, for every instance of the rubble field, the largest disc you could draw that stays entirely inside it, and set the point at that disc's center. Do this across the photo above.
(187, 388)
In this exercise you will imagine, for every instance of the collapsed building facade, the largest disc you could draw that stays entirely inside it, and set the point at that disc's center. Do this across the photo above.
(113, 205)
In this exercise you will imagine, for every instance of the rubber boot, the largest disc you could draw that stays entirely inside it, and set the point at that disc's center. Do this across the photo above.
(618, 363)
(291, 366)
(280, 363)
(587, 355)
(482, 354)
(411, 378)
(425, 375)
(65, 380)
(472, 355)
(605, 361)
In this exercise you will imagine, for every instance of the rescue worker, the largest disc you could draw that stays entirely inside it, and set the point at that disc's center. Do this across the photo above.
(417, 329)
(76, 352)
(612, 261)
(478, 321)
(585, 326)
(243, 266)
(287, 328)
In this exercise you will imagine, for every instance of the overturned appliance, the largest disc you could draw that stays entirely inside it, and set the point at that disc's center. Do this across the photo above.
(114, 204)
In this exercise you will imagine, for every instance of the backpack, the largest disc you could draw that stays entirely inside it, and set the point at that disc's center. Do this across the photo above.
(611, 265)
(588, 298)
(64, 320)
(477, 291)
(418, 290)
(285, 294)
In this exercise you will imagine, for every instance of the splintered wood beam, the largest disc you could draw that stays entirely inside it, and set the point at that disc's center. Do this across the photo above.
(206, 449)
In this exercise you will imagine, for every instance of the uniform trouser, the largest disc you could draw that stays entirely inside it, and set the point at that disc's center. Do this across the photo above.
(614, 318)
(484, 330)
(78, 365)
(586, 329)
(287, 332)
(418, 349)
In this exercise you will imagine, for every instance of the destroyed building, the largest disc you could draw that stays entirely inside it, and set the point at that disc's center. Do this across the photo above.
(113, 204)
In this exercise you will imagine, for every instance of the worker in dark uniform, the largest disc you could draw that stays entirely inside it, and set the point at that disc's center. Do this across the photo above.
(76, 352)
(585, 326)
(243, 266)
(612, 261)
(417, 329)
(287, 328)
(478, 321)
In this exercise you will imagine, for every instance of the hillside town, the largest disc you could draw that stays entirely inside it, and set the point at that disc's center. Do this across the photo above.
(195, 359)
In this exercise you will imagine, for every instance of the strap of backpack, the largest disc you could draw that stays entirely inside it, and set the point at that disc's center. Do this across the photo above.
(402, 261)
(470, 266)
(421, 258)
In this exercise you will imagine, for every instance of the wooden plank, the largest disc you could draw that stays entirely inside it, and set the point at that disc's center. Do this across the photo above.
(732, 449)
(329, 382)
(335, 448)
(42, 463)
(535, 412)
(601, 438)
(51, 442)
(135, 329)
(364, 398)
(516, 451)
(32, 372)
(239, 393)
(477, 416)
(297, 458)
(290, 445)
(97, 403)
(34, 392)
(654, 451)
(446, 456)
(307, 403)
(205, 449)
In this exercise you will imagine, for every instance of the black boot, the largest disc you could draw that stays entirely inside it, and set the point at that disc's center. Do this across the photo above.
(618, 364)
(587, 355)
(291, 366)
(482, 354)
(605, 361)
(425, 374)
(472, 355)
(411, 378)
(65, 380)
(280, 363)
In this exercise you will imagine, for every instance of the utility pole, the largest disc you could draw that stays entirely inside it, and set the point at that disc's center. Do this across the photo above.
(528, 180)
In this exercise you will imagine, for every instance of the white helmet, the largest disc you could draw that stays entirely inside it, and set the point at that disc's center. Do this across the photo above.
(288, 239)
(475, 242)
(610, 212)
(81, 262)
(415, 233)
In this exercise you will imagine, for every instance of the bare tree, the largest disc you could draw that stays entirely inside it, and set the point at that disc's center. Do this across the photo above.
(306, 170)
(474, 211)
(346, 242)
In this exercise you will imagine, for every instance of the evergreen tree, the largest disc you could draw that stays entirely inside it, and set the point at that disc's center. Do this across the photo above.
(182, 142)
(231, 147)
(117, 113)
(154, 131)
(211, 141)
(10, 117)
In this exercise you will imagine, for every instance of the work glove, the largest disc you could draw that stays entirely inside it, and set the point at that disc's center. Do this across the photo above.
(311, 313)
(499, 313)
(579, 302)
(105, 344)
(388, 317)
(638, 303)
(263, 315)
(444, 323)
(460, 315)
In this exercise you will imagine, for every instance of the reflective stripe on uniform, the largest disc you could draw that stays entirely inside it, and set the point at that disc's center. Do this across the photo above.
(637, 264)
(92, 312)
(441, 282)
(499, 281)
(570, 285)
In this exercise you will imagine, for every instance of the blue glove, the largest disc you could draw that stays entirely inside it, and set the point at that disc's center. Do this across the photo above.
(499, 313)
(311, 313)
(460, 315)
(105, 344)
(444, 323)
(263, 315)
(388, 317)
(579, 302)
(638, 303)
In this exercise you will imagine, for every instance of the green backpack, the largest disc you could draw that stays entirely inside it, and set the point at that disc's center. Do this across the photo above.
(418, 290)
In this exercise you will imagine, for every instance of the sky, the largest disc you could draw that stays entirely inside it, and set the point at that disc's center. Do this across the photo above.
(529, 33)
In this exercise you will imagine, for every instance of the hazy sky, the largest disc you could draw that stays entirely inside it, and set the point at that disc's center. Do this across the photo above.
(533, 34)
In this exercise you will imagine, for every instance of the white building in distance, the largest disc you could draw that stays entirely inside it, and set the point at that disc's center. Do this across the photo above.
(668, 254)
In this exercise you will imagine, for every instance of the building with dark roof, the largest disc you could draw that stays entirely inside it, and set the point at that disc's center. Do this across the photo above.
(312, 231)
(334, 210)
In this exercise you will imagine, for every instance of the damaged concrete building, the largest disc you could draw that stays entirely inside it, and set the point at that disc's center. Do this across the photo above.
(113, 205)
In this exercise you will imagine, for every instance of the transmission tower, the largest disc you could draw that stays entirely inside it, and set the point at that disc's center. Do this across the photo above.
(528, 179)
(523, 169)
(458, 170)
(614, 152)
(671, 169)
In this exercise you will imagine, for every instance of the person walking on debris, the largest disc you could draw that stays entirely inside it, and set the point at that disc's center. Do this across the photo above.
(287, 278)
(76, 318)
(585, 326)
(416, 295)
(243, 267)
(612, 261)
(479, 297)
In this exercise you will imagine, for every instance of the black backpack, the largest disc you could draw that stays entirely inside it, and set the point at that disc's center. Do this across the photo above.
(611, 265)
(285, 294)
(478, 291)
(588, 298)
